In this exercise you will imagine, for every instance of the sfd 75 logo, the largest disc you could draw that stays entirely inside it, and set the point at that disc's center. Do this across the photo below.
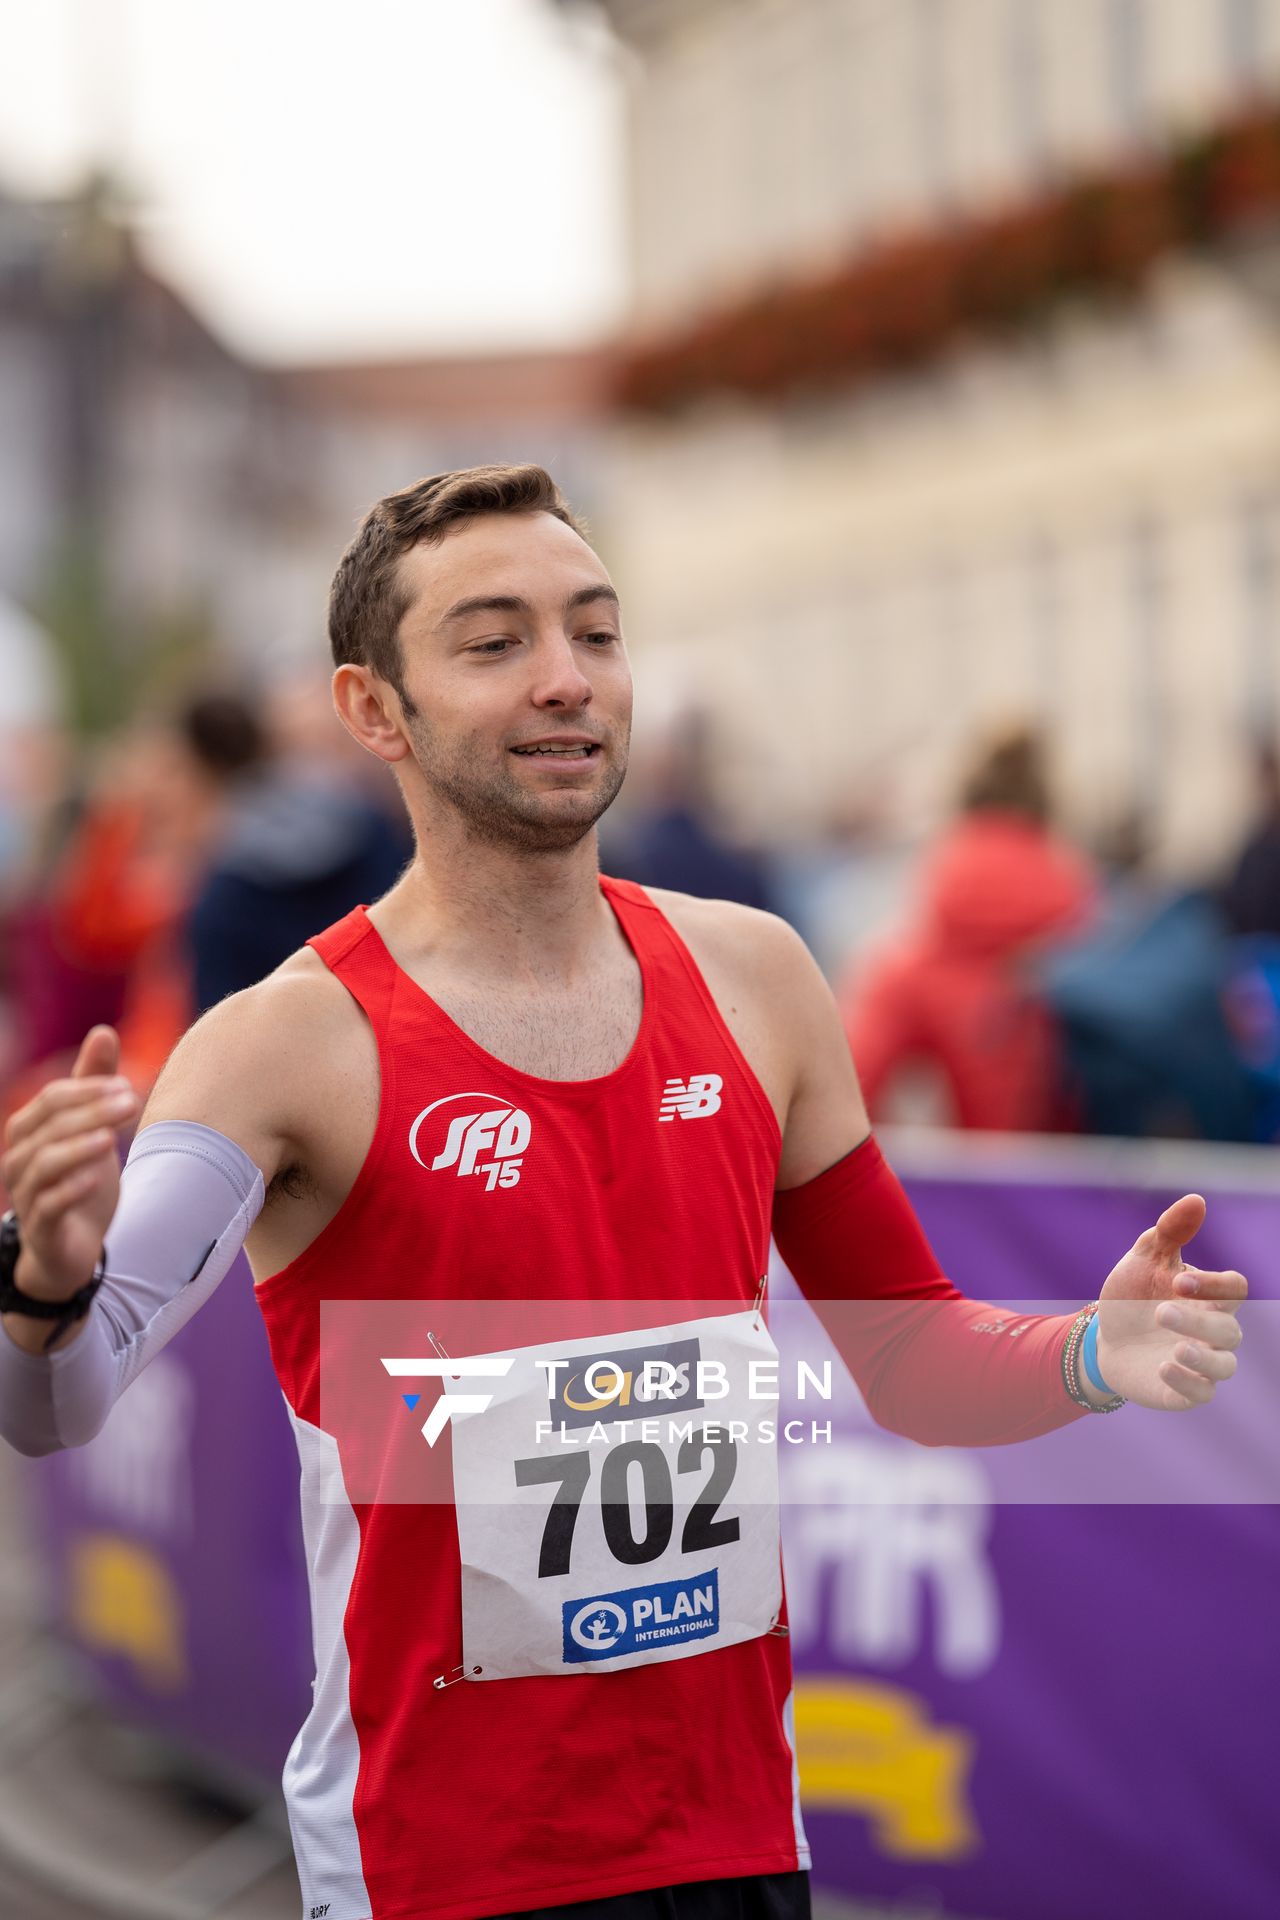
(472, 1133)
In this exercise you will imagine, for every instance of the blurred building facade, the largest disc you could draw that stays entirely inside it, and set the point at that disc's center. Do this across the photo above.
(951, 395)
(153, 483)
(956, 391)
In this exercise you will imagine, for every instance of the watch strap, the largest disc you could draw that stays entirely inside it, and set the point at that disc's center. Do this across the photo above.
(13, 1300)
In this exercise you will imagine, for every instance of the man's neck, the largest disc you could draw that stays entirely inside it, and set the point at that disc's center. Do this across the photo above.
(492, 909)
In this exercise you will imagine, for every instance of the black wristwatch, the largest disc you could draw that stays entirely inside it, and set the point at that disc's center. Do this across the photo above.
(14, 1300)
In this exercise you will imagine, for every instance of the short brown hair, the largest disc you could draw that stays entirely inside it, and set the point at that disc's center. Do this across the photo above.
(1010, 774)
(367, 601)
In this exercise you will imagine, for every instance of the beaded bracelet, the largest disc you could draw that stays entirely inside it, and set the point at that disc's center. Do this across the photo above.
(1070, 1357)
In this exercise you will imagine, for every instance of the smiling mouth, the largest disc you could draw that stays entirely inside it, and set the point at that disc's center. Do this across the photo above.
(579, 750)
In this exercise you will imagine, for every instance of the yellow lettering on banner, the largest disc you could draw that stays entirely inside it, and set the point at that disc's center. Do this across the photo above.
(871, 1749)
(123, 1601)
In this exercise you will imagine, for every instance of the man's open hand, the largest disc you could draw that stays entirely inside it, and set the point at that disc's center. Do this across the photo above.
(1167, 1332)
(62, 1170)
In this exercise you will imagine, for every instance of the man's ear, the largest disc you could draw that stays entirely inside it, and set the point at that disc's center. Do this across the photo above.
(370, 710)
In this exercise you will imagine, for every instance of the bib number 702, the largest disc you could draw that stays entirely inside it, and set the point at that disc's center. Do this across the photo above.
(701, 1531)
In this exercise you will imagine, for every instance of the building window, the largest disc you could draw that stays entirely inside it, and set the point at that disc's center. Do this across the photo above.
(1044, 613)
(928, 58)
(1242, 33)
(1126, 62)
(1261, 635)
(1024, 55)
(1149, 720)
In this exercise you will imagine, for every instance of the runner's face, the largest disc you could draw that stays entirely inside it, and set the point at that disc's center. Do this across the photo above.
(513, 642)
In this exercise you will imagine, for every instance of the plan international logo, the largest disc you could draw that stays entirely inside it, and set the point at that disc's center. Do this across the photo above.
(610, 1624)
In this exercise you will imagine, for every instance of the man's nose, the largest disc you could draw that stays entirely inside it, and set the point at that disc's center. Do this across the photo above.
(559, 680)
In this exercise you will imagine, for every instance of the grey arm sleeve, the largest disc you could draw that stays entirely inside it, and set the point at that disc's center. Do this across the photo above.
(188, 1197)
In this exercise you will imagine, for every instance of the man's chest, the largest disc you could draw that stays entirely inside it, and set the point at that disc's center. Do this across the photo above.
(581, 1033)
(563, 1034)
(553, 1033)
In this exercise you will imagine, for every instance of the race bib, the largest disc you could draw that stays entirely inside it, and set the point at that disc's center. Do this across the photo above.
(617, 1500)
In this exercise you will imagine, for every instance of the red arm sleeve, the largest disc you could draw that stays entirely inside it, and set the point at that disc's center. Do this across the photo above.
(930, 1363)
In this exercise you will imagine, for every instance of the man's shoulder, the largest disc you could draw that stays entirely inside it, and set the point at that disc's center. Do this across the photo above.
(265, 1065)
(748, 942)
(764, 981)
(299, 1012)
(300, 991)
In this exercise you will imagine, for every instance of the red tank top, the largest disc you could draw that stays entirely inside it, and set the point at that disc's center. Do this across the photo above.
(408, 1801)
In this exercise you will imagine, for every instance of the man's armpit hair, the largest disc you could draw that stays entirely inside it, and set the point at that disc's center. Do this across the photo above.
(292, 1183)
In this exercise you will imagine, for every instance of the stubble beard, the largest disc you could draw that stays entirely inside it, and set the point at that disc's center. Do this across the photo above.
(497, 811)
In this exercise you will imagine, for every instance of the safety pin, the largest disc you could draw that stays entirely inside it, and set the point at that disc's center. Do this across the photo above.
(779, 1628)
(459, 1672)
(756, 1304)
(441, 1352)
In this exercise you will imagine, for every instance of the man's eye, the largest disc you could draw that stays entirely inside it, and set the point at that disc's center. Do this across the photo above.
(603, 639)
(492, 646)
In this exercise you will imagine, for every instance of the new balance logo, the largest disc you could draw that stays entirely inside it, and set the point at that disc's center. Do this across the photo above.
(692, 1099)
(486, 1126)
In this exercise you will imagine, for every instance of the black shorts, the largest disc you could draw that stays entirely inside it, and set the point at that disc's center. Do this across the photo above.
(760, 1896)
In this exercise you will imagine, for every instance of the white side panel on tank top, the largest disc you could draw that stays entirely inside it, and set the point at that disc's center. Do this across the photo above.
(320, 1772)
(803, 1856)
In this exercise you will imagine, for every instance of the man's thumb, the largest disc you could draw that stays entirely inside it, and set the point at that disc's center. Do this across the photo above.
(1178, 1223)
(99, 1053)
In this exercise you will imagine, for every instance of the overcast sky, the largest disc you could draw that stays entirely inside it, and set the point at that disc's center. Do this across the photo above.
(340, 177)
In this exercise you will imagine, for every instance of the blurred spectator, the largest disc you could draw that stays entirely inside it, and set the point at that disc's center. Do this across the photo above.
(51, 996)
(120, 900)
(1141, 1004)
(1251, 901)
(670, 838)
(843, 886)
(955, 995)
(32, 741)
(301, 842)
(37, 987)
(202, 858)
(1252, 894)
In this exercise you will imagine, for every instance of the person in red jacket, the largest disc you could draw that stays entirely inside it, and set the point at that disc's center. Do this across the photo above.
(954, 993)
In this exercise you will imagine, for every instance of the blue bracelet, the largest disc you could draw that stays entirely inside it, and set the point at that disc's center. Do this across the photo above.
(1089, 1348)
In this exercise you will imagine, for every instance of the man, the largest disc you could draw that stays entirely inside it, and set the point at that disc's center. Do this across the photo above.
(508, 1080)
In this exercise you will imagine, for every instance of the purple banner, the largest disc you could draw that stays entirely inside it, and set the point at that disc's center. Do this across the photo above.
(172, 1545)
(1009, 1706)
(1011, 1710)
